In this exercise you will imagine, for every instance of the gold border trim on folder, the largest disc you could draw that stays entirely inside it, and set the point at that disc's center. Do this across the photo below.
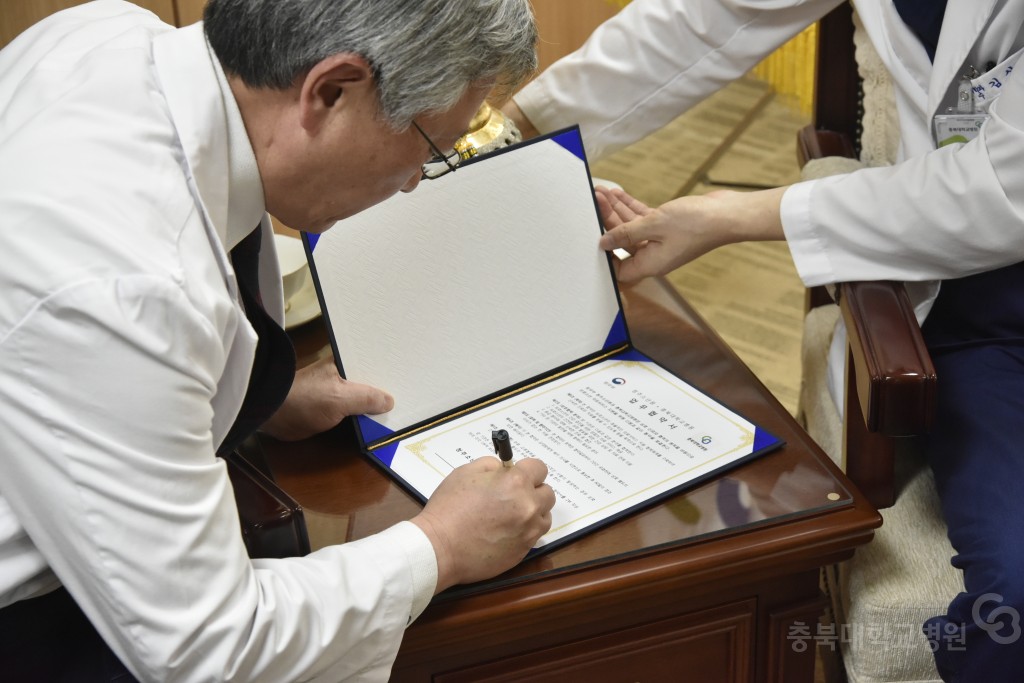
(495, 399)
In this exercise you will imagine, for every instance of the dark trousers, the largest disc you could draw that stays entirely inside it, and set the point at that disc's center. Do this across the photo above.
(48, 639)
(976, 450)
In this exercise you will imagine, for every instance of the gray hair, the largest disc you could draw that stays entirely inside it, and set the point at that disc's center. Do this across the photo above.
(424, 53)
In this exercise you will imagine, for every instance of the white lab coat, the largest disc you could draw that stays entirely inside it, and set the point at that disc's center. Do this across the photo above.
(125, 177)
(940, 214)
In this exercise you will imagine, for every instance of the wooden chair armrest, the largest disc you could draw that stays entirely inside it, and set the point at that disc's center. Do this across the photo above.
(814, 143)
(894, 373)
(895, 376)
(890, 384)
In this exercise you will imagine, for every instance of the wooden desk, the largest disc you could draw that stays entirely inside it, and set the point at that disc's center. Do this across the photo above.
(706, 586)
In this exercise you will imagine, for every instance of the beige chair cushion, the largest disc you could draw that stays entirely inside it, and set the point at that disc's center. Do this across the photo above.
(817, 408)
(883, 595)
(896, 582)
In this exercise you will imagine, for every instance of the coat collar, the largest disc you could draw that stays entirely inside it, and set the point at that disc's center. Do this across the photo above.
(925, 82)
(211, 132)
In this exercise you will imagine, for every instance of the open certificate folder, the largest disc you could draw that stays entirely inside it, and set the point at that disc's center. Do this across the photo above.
(481, 301)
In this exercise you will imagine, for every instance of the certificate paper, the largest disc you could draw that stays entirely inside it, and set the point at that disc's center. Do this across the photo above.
(482, 301)
(614, 436)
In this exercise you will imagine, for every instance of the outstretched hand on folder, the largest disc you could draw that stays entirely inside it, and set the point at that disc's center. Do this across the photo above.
(484, 518)
(319, 399)
(662, 239)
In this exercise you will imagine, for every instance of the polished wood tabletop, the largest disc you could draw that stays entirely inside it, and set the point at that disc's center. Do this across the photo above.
(345, 497)
(786, 512)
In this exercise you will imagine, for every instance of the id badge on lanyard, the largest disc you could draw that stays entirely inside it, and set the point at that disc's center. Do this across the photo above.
(975, 94)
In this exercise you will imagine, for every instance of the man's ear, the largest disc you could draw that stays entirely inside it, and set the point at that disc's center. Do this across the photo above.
(322, 88)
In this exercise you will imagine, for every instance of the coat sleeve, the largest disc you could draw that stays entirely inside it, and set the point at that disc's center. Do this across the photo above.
(113, 476)
(953, 212)
(655, 60)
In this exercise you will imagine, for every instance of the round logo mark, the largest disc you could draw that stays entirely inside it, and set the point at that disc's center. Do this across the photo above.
(991, 625)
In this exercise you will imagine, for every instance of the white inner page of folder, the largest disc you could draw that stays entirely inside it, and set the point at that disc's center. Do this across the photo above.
(471, 283)
(473, 300)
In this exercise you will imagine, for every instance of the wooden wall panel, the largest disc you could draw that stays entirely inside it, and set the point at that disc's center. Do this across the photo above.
(564, 25)
(190, 11)
(18, 15)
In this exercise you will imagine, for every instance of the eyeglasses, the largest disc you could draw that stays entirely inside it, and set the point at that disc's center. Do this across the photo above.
(441, 163)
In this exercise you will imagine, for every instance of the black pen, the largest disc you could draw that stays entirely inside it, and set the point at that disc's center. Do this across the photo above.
(502, 446)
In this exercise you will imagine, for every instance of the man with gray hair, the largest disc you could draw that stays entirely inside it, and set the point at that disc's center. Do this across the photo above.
(138, 165)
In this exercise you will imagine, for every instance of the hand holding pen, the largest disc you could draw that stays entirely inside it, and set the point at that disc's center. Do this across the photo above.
(483, 519)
